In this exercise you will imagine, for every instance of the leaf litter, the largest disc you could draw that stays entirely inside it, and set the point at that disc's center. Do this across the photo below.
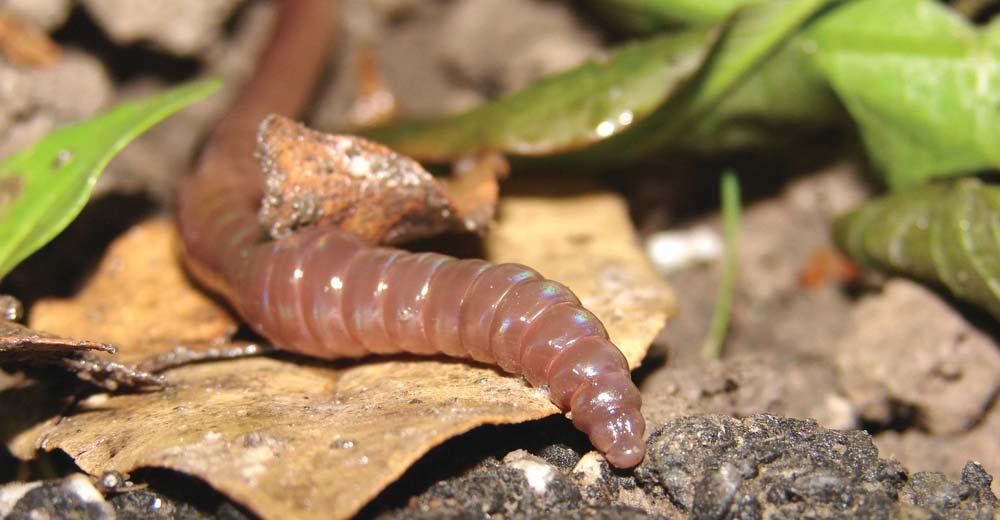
(363, 187)
(290, 437)
(24, 346)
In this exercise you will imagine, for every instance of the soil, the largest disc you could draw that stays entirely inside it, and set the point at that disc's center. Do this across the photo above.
(918, 373)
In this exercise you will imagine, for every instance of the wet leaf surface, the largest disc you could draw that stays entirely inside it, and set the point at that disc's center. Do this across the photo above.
(563, 112)
(916, 77)
(642, 98)
(290, 437)
(750, 36)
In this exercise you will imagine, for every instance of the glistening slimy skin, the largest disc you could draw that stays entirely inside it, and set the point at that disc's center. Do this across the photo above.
(327, 293)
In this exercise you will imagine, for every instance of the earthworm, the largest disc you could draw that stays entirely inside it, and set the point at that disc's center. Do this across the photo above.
(326, 292)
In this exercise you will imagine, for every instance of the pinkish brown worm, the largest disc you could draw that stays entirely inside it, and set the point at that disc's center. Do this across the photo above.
(328, 293)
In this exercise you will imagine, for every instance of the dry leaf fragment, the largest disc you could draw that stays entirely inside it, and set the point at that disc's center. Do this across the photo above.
(20, 344)
(474, 191)
(289, 440)
(363, 187)
(828, 265)
(23, 44)
(138, 300)
(292, 439)
(374, 103)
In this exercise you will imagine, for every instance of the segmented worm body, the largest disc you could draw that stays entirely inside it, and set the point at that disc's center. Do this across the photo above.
(328, 293)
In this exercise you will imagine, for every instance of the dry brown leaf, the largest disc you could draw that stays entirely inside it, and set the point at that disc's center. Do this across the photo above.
(291, 439)
(20, 344)
(374, 103)
(139, 300)
(28, 407)
(26, 45)
(363, 187)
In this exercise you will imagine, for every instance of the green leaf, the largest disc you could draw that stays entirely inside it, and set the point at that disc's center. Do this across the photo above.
(752, 34)
(921, 82)
(564, 111)
(943, 233)
(637, 101)
(783, 97)
(43, 188)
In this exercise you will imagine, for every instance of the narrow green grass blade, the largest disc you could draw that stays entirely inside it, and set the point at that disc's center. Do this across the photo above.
(730, 194)
(43, 188)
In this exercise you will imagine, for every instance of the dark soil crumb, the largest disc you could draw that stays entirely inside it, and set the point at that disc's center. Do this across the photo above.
(496, 489)
(144, 503)
(76, 497)
(71, 498)
(970, 498)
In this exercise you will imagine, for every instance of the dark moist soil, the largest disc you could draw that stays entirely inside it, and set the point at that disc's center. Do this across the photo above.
(875, 400)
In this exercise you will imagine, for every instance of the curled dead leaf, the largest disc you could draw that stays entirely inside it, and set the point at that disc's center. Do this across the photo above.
(22, 344)
(364, 187)
(290, 438)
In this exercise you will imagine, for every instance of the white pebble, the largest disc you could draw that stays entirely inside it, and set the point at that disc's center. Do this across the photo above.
(671, 251)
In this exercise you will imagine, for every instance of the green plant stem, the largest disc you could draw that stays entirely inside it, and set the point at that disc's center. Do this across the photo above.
(730, 193)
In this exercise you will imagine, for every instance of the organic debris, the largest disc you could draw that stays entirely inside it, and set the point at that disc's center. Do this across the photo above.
(24, 44)
(364, 187)
(291, 437)
(139, 300)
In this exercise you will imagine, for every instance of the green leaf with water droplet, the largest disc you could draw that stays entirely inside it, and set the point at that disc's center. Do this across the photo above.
(751, 36)
(43, 188)
(641, 98)
(563, 112)
(943, 233)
